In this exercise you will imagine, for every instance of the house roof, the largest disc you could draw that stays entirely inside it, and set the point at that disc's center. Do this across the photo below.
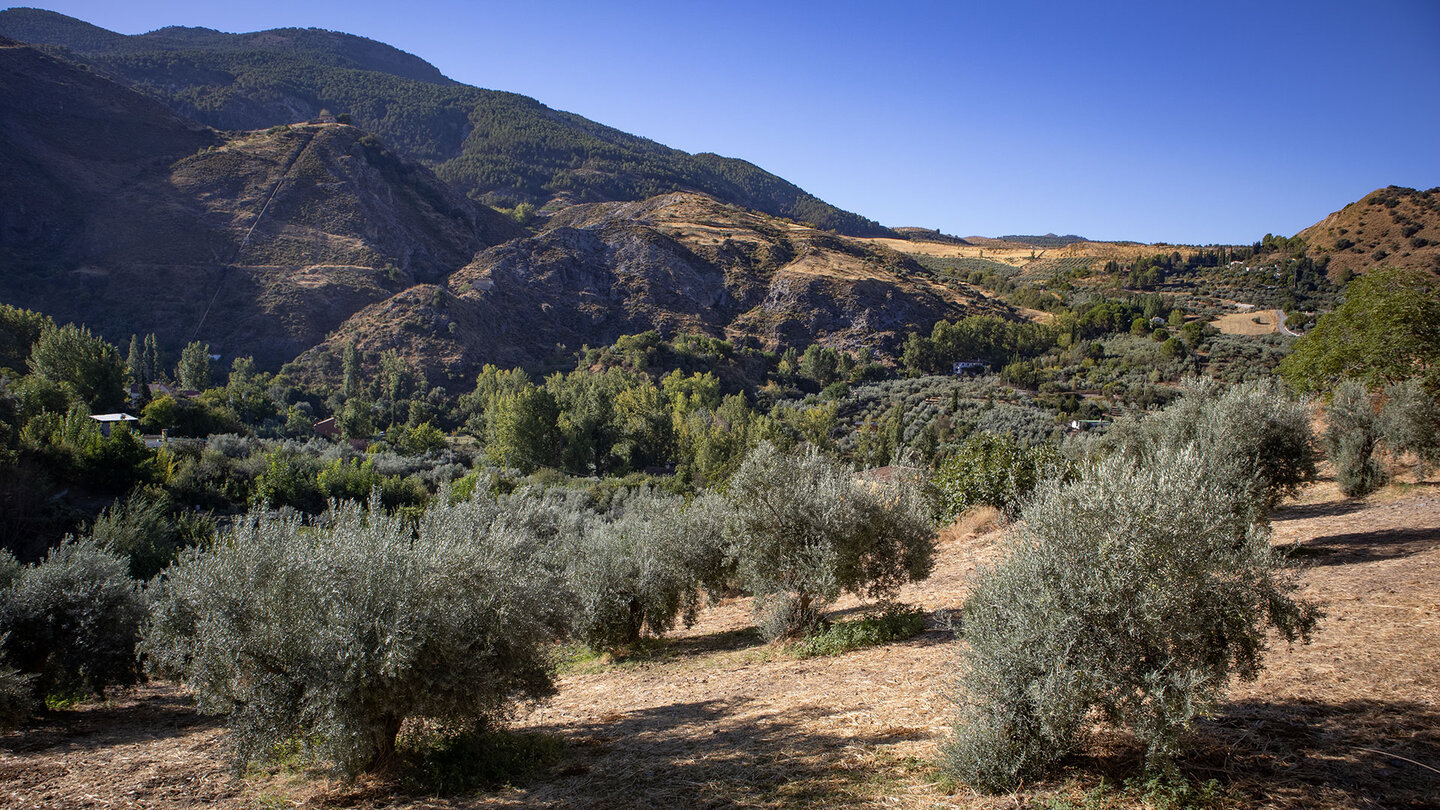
(113, 417)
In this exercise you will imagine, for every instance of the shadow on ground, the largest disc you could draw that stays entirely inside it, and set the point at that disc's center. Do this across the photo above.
(135, 717)
(1304, 511)
(715, 753)
(1355, 753)
(1360, 547)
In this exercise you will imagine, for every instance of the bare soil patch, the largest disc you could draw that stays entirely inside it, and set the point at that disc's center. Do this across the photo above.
(1251, 322)
(716, 718)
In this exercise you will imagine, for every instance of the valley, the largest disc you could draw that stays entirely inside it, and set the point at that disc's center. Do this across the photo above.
(373, 439)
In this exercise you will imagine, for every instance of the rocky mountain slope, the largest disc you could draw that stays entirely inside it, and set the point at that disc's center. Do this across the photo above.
(122, 215)
(300, 239)
(500, 148)
(1390, 226)
(676, 263)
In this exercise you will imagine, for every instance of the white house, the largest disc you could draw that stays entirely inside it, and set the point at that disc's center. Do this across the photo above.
(108, 420)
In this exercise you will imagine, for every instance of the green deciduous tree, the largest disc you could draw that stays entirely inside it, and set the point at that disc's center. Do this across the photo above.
(90, 367)
(994, 470)
(193, 370)
(19, 329)
(521, 431)
(1386, 331)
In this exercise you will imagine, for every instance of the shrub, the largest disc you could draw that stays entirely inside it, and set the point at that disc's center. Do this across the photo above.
(350, 479)
(289, 480)
(894, 623)
(143, 530)
(991, 470)
(1352, 433)
(72, 620)
(397, 492)
(803, 530)
(331, 635)
(1138, 590)
(17, 695)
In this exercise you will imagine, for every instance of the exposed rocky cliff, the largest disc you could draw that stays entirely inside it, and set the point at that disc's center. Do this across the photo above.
(677, 263)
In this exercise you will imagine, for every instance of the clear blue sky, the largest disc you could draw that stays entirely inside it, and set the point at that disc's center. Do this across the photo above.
(1189, 122)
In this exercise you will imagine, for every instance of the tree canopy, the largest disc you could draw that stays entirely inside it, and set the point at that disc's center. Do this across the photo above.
(1387, 330)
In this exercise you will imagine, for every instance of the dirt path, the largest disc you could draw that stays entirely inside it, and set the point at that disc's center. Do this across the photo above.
(718, 719)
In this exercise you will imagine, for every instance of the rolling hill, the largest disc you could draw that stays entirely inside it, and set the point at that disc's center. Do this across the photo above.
(676, 263)
(498, 148)
(297, 240)
(1392, 226)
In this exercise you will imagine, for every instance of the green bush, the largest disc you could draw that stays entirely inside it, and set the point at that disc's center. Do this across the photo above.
(1137, 590)
(17, 695)
(145, 530)
(895, 623)
(72, 620)
(1352, 434)
(989, 469)
(803, 530)
(289, 480)
(350, 480)
(330, 636)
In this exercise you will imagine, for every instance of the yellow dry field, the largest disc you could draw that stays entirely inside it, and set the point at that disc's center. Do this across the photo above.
(1254, 322)
(715, 718)
(1011, 255)
(1018, 255)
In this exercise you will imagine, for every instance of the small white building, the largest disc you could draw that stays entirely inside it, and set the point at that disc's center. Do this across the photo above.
(109, 420)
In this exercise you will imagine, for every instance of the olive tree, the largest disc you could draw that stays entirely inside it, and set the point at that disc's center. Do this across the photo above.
(1139, 589)
(803, 530)
(1352, 435)
(1409, 422)
(1255, 435)
(333, 634)
(72, 620)
(643, 568)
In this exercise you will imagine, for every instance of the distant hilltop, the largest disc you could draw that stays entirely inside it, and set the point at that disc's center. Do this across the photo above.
(1049, 240)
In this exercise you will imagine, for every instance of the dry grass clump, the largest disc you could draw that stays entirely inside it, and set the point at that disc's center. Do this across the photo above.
(972, 522)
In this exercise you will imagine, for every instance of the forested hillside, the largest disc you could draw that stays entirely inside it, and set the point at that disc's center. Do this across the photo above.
(499, 148)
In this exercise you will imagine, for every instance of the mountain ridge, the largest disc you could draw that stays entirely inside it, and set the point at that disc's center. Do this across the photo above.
(499, 148)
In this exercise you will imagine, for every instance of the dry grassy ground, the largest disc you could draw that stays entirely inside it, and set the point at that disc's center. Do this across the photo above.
(1019, 255)
(1250, 322)
(717, 719)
